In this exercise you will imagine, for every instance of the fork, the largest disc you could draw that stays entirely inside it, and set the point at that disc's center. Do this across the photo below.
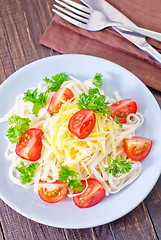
(94, 20)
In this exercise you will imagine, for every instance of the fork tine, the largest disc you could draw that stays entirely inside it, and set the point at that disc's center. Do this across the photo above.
(84, 20)
(78, 6)
(83, 14)
(71, 20)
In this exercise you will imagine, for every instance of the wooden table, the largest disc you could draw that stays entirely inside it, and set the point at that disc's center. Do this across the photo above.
(22, 22)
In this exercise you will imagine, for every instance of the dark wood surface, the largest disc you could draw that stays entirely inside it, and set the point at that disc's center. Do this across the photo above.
(22, 22)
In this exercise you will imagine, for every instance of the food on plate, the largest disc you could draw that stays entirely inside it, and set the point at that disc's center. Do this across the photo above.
(62, 95)
(121, 109)
(30, 144)
(67, 138)
(137, 148)
(82, 123)
(91, 196)
(52, 192)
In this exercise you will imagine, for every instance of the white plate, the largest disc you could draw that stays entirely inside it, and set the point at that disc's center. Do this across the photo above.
(65, 214)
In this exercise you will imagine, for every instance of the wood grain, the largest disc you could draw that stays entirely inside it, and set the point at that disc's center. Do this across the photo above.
(132, 226)
(1, 233)
(153, 204)
(22, 24)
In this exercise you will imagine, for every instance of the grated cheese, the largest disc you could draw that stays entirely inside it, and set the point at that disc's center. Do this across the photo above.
(70, 150)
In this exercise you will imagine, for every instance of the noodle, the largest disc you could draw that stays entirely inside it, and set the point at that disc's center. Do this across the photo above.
(89, 156)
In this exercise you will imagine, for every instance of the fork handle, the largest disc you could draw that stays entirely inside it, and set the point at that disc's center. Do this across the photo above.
(142, 31)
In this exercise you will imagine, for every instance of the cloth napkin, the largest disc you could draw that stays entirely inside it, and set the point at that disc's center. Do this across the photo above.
(65, 38)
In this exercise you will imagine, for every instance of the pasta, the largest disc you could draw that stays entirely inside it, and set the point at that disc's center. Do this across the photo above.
(89, 157)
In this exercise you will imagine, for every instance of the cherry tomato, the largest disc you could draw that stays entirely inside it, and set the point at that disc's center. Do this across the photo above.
(82, 123)
(52, 192)
(137, 148)
(63, 94)
(30, 144)
(122, 109)
(92, 195)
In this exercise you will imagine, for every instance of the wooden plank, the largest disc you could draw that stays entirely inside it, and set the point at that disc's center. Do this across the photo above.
(6, 63)
(46, 232)
(103, 232)
(15, 35)
(78, 234)
(135, 225)
(37, 12)
(1, 232)
(20, 36)
(153, 203)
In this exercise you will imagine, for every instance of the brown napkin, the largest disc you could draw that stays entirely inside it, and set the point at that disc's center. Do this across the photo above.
(66, 38)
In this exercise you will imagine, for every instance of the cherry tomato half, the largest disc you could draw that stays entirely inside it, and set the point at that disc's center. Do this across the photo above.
(92, 195)
(137, 148)
(30, 144)
(122, 109)
(52, 192)
(63, 94)
(82, 123)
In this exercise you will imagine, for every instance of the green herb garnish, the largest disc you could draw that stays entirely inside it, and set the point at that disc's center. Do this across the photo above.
(27, 172)
(94, 101)
(120, 166)
(70, 176)
(39, 101)
(55, 84)
(97, 81)
(18, 127)
(117, 121)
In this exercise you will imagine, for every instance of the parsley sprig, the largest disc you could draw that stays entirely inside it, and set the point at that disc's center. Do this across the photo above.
(94, 101)
(118, 166)
(97, 80)
(39, 101)
(27, 172)
(56, 82)
(68, 175)
(18, 127)
(115, 119)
